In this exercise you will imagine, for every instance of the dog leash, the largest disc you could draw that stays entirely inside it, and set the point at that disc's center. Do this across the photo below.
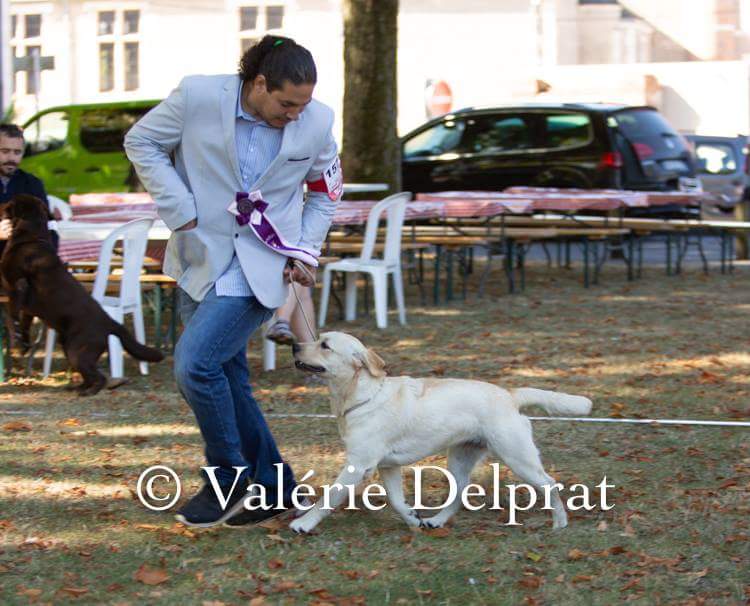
(303, 268)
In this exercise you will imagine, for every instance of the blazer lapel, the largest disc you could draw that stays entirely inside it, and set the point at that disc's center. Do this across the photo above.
(287, 139)
(228, 121)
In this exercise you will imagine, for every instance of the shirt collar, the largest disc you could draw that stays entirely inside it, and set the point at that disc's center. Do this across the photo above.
(242, 114)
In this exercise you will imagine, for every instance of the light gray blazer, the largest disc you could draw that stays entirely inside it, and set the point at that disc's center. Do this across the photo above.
(196, 123)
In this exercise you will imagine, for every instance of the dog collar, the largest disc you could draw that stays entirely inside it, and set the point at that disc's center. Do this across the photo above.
(355, 407)
(360, 404)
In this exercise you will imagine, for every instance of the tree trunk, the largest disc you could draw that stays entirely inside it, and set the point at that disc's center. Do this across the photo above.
(371, 150)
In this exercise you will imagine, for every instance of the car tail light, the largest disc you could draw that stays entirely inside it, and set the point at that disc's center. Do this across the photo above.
(611, 160)
(643, 150)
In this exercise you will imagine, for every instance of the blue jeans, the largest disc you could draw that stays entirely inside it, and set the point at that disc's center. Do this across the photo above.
(210, 366)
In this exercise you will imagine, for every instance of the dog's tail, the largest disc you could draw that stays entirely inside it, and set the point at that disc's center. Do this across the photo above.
(554, 402)
(138, 350)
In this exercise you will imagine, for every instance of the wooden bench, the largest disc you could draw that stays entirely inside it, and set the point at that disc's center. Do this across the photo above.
(92, 265)
(156, 283)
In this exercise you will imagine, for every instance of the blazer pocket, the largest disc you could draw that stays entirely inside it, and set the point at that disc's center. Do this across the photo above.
(305, 159)
(190, 248)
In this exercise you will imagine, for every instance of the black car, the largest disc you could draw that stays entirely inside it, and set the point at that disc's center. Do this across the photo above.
(586, 145)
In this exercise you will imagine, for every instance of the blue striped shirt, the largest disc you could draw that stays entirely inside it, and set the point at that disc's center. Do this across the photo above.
(257, 145)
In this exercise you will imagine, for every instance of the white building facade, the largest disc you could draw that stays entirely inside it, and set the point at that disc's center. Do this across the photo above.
(488, 51)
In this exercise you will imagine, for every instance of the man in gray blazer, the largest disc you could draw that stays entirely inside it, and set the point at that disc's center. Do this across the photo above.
(225, 159)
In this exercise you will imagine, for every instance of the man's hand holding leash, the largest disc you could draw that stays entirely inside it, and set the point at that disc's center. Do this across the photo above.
(297, 271)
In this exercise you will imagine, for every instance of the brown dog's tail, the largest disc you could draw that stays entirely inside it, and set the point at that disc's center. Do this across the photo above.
(138, 350)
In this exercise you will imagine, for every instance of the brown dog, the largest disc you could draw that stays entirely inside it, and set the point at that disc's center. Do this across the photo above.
(38, 283)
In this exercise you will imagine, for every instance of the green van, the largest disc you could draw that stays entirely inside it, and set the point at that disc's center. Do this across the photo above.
(78, 148)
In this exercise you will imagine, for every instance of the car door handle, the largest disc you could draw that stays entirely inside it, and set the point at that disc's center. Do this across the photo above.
(59, 171)
(91, 169)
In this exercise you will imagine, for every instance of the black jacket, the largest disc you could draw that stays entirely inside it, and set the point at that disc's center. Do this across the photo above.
(24, 183)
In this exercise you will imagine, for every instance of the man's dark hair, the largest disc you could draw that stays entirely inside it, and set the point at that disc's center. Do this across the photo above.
(278, 59)
(11, 130)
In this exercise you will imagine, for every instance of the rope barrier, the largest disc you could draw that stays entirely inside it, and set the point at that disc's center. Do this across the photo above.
(577, 419)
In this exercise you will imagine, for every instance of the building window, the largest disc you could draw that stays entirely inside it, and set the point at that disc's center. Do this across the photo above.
(255, 20)
(14, 86)
(119, 70)
(13, 25)
(248, 18)
(274, 17)
(32, 26)
(131, 65)
(106, 23)
(130, 21)
(32, 85)
(106, 66)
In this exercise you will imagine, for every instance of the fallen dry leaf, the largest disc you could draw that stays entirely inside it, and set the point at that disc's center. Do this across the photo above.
(285, 586)
(530, 582)
(74, 591)
(17, 426)
(29, 592)
(438, 532)
(150, 576)
(576, 554)
(709, 377)
(582, 578)
(534, 557)
(69, 423)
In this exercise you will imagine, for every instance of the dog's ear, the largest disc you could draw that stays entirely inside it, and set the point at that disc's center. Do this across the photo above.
(372, 362)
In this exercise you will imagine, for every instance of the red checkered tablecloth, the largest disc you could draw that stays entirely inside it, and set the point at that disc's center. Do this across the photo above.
(628, 197)
(79, 250)
(123, 207)
(531, 199)
(106, 208)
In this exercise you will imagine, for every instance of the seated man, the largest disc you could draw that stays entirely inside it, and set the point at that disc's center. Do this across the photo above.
(14, 181)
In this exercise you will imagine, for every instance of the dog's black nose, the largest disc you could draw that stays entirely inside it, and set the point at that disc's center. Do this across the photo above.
(295, 348)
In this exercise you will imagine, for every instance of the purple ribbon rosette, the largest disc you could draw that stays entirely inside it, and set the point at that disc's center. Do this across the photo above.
(249, 209)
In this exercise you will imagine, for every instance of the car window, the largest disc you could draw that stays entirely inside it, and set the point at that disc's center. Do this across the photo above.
(46, 133)
(493, 134)
(103, 130)
(649, 133)
(440, 139)
(718, 158)
(567, 130)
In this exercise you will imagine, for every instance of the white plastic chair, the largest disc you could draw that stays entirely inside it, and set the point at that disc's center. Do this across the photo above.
(134, 237)
(62, 207)
(395, 208)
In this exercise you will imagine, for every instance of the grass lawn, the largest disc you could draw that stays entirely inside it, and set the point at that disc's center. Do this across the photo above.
(679, 532)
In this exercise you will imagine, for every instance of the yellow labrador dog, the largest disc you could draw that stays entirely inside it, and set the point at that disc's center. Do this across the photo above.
(387, 422)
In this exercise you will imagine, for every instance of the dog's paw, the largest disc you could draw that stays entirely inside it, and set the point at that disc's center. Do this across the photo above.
(413, 519)
(429, 523)
(301, 527)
